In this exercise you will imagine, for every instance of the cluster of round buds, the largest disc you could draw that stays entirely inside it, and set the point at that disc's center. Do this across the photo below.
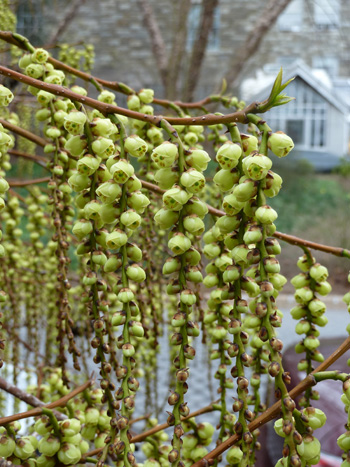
(310, 310)
(197, 437)
(343, 440)
(308, 447)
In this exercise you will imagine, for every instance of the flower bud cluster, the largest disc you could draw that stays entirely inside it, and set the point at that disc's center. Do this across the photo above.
(310, 311)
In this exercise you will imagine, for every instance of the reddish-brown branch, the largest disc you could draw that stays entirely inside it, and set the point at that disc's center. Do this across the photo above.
(38, 411)
(34, 181)
(25, 397)
(25, 133)
(208, 119)
(156, 429)
(114, 85)
(38, 159)
(273, 411)
(336, 251)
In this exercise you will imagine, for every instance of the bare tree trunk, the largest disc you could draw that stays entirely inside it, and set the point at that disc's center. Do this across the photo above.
(178, 50)
(70, 13)
(254, 39)
(199, 48)
(157, 42)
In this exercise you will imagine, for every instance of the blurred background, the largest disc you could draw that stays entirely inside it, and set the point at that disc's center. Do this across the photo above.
(184, 50)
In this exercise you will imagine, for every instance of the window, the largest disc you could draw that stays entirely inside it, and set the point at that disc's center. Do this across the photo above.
(327, 13)
(291, 19)
(329, 64)
(303, 119)
(30, 20)
(194, 17)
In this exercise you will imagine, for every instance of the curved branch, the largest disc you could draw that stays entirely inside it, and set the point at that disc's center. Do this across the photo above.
(26, 134)
(336, 251)
(208, 119)
(38, 411)
(273, 411)
(38, 159)
(28, 182)
(114, 85)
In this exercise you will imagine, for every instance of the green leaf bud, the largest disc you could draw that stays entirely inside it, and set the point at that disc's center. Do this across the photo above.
(99, 258)
(249, 143)
(122, 171)
(166, 177)
(82, 228)
(106, 96)
(138, 201)
(103, 147)
(211, 280)
(136, 329)
(179, 243)
(323, 288)
(136, 273)
(146, 95)
(193, 274)
(309, 449)
(311, 342)
(280, 144)
(25, 60)
(278, 281)
(112, 264)
(69, 454)
(316, 418)
(250, 286)
(109, 213)
(193, 180)
(135, 146)
(155, 135)
(239, 254)
(166, 218)
(165, 154)
(246, 190)
(265, 214)
(192, 257)
(193, 224)
(278, 427)
(253, 235)
(316, 307)
(175, 198)
(40, 56)
(188, 297)
(256, 166)
(118, 318)
(205, 430)
(273, 184)
(4, 186)
(88, 165)
(198, 159)
(131, 219)
(103, 127)
(133, 102)
(49, 445)
(227, 224)
(74, 122)
(231, 205)
(318, 272)
(212, 250)
(5, 141)
(42, 115)
(23, 448)
(225, 179)
(219, 333)
(76, 145)
(223, 262)
(34, 70)
(303, 327)
(109, 192)
(44, 97)
(228, 155)
(116, 239)
(7, 446)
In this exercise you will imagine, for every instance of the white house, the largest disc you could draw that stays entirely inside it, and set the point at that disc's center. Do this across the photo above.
(317, 120)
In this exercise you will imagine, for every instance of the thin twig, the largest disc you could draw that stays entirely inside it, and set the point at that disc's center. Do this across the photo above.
(33, 181)
(38, 159)
(273, 411)
(26, 134)
(25, 397)
(52, 405)
(204, 120)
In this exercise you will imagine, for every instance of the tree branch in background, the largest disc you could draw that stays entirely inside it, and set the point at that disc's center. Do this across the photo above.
(199, 47)
(178, 47)
(157, 42)
(252, 43)
(66, 20)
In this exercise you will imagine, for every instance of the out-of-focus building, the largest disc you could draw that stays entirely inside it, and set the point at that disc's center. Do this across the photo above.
(316, 32)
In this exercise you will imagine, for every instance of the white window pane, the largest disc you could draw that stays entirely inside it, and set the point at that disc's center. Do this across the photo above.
(327, 12)
(292, 17)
